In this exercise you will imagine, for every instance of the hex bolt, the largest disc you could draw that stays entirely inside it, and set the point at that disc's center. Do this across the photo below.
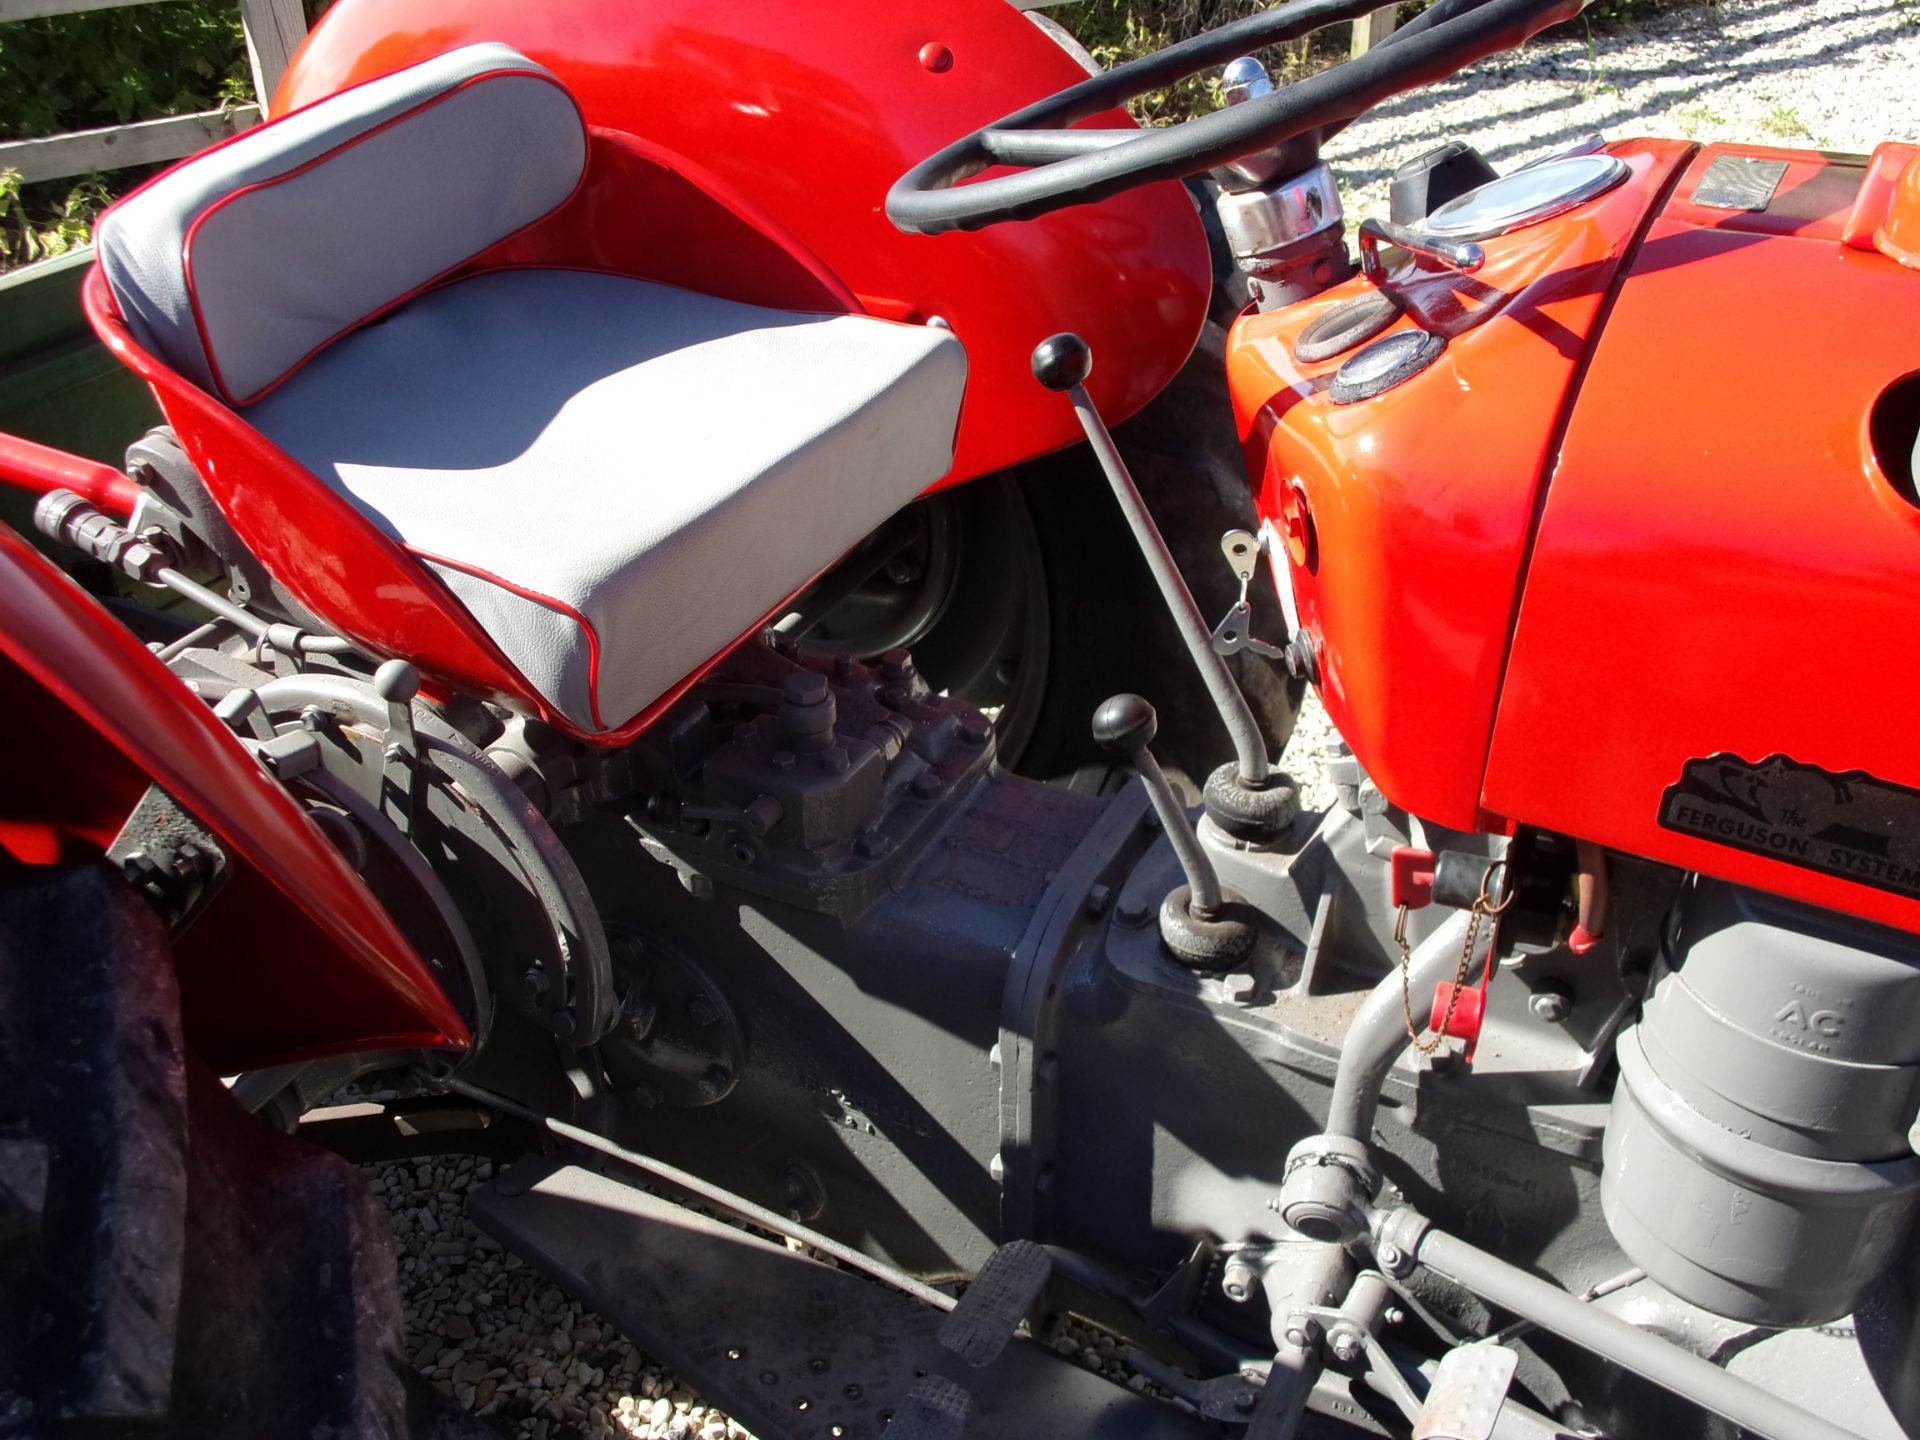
(1240, 988)
(927, 784)
(700, 1010)
(1551, 1001)
(1133, 913)
(1099, 898)
(1346, 1344)
(536, 983)
(1238, 1280)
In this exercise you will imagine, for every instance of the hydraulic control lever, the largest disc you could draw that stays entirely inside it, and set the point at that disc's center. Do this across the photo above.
(1461, 255)
(1195, 920)
(1062, 363)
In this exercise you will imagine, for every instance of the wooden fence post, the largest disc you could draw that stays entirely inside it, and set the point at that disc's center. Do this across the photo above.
(274, 30)
(1370, 30)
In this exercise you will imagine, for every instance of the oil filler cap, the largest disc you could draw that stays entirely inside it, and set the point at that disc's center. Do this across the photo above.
(1385, 364)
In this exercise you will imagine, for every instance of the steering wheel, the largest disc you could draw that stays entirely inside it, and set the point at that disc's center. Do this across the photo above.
(1059, 166)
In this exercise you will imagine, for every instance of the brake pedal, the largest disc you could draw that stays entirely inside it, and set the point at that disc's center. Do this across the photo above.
(1468, 1389)
(1001, 1296)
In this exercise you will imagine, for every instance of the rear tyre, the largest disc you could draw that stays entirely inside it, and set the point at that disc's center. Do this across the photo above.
(173, 1266)
(1025, 593)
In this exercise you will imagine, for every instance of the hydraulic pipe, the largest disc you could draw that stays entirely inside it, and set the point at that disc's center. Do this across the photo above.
(28, 465)
(1379, 1030)
(1507, 1287)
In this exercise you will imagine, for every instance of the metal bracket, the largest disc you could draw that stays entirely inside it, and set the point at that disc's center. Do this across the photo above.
(1242, 549)
(171, 858)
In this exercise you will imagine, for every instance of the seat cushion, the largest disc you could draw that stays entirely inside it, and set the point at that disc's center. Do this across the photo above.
(236, 264)
(618, 478)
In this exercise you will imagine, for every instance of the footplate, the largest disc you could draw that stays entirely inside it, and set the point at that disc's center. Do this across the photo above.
(797, 1350)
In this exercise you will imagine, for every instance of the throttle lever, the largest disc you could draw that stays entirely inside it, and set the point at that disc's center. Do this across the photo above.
(1461, 255)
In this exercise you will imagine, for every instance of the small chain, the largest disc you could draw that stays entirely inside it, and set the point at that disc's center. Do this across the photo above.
(1482, 908)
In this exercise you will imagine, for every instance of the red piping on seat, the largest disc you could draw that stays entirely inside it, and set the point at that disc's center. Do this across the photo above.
(186, 249)
(586, 625)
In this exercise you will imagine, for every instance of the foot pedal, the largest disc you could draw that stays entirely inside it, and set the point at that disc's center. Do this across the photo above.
(936, 1409)
(797, 1350)
(1468, 1389)
(1001, 1296)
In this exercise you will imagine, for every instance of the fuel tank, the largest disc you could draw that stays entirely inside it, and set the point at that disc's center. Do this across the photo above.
(1631, 559)
(807, 113)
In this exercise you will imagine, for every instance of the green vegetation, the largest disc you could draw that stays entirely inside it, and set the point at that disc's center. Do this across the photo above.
(105, 67)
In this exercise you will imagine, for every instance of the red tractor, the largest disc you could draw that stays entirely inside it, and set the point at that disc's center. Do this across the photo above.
(638, 710)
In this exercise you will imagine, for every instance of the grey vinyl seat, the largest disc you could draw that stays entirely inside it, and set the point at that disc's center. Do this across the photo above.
(665, 465)
(616, 478)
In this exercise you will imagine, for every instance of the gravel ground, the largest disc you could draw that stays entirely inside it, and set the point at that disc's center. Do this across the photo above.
(1825, 74)
(1832, 74)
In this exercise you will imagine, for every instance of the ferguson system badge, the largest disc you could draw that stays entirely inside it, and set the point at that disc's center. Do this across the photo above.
(1851, 825)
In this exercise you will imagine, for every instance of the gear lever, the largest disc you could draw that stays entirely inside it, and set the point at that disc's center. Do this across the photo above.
(1062, 363)
(1194, 919)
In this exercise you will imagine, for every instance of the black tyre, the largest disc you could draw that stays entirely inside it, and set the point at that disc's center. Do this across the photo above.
(1025, 592)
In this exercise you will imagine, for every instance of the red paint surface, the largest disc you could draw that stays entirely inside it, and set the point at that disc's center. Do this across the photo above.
(27, 465)
(814, 111)
(1723, 565)
(1422, 499)
(295, 958)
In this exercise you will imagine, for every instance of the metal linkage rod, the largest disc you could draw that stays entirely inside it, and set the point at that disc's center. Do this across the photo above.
(1646, 1354)
(721, 1199)
(1062, 363)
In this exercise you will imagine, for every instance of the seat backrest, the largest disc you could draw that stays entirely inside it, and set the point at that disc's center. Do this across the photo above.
(237, 265)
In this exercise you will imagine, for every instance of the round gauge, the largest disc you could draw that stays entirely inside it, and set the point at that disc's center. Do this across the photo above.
(1385, 364)
(1526, 197)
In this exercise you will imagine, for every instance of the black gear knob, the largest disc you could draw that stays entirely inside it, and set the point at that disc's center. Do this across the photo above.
(1125, 725)
(1062, 361)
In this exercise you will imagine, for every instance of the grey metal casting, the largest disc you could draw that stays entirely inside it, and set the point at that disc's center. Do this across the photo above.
(1647, 1355)
(1768, 1091)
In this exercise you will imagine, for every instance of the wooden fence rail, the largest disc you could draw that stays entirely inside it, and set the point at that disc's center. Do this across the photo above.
(274, 29)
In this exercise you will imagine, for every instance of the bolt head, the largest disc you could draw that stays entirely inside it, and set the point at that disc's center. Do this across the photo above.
(807, 687)
(1550, 1003)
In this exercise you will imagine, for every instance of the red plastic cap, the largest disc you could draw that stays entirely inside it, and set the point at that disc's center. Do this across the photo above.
(1469, 1013)
(936, 57)
(1412, 872)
